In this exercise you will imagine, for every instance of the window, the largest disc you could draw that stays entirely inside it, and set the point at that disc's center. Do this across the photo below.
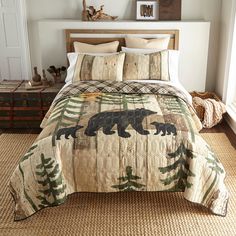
(230, 93)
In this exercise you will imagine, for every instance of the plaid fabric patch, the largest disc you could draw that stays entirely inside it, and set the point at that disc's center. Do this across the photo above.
(125, 87)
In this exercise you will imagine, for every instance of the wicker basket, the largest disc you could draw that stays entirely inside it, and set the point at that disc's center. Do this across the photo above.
(199, 109)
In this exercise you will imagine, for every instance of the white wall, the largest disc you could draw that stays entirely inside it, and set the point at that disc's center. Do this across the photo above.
(211, 10)
(193, 44)
(125, 9)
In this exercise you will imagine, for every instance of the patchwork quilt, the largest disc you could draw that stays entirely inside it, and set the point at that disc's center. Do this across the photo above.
(101, 136)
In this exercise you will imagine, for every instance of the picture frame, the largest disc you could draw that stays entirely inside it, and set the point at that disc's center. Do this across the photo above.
(147, 10)
(170, 10)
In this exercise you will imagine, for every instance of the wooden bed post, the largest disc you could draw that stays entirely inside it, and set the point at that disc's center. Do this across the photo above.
(77, 35)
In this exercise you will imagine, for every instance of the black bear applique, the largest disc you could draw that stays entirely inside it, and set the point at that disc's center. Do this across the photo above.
(106, 121)
(165, 128)
(68, 132)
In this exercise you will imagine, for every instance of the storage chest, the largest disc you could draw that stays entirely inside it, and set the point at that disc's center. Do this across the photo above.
(21, 108)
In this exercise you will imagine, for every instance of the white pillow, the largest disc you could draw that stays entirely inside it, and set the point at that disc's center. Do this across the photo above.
(139, 50)
(72, 58)
(173, 60)
(158, 43)
(174, 65)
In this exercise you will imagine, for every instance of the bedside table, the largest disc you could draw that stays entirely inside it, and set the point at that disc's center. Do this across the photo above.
(21, 108)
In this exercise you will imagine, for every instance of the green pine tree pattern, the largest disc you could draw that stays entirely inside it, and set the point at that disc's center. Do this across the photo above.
(216, 168)
(130, 181)
(122, 99)
(180, 169)
(67, 113)
(50, 178)
(29, 153)
(23, 159)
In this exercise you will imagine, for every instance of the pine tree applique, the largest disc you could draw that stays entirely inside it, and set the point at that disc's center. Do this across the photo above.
(217, 169)
(26, 157)
(67, 113)
(130, 182)
(50, 178)
(29, 153)
(180, 169)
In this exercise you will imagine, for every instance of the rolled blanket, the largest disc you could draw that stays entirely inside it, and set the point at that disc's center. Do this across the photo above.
(214, 111)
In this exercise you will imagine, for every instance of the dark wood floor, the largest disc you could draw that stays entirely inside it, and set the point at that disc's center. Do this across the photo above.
(21, 131)
(223, 127)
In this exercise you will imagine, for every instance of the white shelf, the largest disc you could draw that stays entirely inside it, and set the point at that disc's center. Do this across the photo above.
(120, 21)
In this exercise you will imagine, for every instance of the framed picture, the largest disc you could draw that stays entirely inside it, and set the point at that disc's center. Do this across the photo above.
(170, 9)
(147, 10)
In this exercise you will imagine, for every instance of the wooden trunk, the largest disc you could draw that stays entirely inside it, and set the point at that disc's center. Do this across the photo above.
(170, 10)
(21, 108)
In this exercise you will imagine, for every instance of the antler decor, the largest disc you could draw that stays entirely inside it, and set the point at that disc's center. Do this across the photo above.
(91, 14)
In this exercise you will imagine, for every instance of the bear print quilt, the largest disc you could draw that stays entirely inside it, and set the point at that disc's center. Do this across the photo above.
(101, 136)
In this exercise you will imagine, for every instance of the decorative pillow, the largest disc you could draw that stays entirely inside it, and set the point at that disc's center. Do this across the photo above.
(89, 67)
(158, 43)
(100, 48)
(154, 66)
(173, 60)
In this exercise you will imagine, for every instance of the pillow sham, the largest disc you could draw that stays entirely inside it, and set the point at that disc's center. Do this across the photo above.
(154, 66)
(173, 60)
(92, 67)
(100, 48)
(157, 43)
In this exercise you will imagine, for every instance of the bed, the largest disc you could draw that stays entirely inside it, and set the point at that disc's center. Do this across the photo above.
(111, 136)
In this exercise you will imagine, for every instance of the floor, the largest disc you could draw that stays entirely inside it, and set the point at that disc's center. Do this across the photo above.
(21, 131)
(223, 127)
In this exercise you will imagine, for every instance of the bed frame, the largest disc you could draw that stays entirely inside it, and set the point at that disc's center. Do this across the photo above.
(106, 36)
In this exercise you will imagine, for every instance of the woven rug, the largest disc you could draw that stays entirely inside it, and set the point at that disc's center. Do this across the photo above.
(137, 213)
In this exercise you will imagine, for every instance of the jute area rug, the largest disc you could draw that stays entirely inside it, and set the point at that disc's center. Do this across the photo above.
(139, 213)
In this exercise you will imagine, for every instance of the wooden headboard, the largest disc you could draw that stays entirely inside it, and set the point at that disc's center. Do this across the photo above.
(105, 36)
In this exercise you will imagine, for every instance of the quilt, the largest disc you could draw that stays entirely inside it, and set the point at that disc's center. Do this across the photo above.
(107, 136)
